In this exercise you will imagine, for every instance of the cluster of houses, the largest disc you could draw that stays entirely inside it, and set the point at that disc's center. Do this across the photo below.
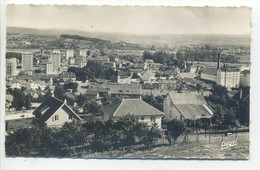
(144, 78)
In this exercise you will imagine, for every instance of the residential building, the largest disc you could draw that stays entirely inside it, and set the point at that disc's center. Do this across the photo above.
(56, 51)
(83, 52)
(147, 76)
(141, 110)
(49, 67)
(81, 62)
(55, 112)
(186, 106)
(27, 61)
(56, 60)
(11, 67)
(69, 53)
(124, 90)
(71, 61)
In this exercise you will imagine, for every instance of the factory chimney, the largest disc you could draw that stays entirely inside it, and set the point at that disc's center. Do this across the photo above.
(219, 55)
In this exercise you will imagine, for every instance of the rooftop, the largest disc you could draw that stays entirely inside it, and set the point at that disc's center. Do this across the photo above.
(136, 107)
(210, 71)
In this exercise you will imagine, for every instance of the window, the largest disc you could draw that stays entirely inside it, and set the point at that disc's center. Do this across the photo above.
(142, 118)
(56, 117)
(152, 119)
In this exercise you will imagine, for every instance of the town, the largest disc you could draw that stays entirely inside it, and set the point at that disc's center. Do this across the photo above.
(89, 97)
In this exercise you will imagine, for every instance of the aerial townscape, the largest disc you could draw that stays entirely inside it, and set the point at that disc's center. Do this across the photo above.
(90, 94)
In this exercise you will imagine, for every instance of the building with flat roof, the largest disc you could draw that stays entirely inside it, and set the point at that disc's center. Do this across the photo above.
(228, 77)
(83, 52)
(69, 53)
(81, 62)
(11, 67)
(27, 61)
(49, 67)
(56, 60)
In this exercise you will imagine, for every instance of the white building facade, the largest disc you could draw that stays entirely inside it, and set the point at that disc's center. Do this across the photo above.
(228, 78)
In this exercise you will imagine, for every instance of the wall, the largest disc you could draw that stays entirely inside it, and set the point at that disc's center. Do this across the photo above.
(169, 110)
(147, 119)
(208, 77)
(63, 117)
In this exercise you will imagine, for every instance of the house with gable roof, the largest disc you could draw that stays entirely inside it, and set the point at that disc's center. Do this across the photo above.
(186, 106)
(55, 112)
(141, 110)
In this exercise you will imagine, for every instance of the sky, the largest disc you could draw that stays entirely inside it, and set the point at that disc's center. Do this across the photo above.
(134, 20)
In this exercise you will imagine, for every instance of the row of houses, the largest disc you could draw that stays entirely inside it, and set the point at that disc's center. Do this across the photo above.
(183, 106)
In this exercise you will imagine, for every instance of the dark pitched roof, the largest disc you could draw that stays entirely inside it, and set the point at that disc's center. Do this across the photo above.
(136, 107)
(49, 107)
(109, 110)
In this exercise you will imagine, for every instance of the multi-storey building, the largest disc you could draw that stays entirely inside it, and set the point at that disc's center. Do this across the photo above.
(83, 52)
(56, 60)
(27, 61)
(228, 77)
(69, 53)
(81, 62)
(11, 67)
(49, 67)
(56, 51)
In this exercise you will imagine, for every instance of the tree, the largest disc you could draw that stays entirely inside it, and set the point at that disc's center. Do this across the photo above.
(59, 92)
(151, 135)
(174, 129)
(71, 85)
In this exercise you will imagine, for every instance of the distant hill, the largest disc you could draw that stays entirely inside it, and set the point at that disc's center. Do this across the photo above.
(144, 39)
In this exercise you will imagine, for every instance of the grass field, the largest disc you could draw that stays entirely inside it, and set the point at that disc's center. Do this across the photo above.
(202, 149)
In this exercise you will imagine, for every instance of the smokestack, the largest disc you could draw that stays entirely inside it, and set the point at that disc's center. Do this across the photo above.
(219, 54)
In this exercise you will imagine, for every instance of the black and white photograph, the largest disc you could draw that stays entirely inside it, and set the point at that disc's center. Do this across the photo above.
(127, 82)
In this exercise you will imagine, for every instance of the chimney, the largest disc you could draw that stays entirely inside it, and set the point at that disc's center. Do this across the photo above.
(219, 55)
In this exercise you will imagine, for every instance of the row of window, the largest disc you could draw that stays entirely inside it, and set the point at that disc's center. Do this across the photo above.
(152, 118)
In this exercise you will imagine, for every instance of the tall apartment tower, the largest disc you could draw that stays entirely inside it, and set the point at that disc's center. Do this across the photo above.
(56, 51)
(11, 67)
(27, 61)
(56, 60)
(83, 52)
(69, 53)
(49, 67)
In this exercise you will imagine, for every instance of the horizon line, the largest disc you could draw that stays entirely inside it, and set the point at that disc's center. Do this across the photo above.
(127, 33)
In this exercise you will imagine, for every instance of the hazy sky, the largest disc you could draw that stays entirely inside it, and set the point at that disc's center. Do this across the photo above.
(137, 20)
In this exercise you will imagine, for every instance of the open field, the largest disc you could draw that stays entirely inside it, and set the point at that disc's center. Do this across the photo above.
(203, 149)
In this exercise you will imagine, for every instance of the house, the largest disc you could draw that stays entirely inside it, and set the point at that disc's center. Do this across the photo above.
(8, 100)
(141, 110)
(147, 76)
(92, 94)
(186, 106)
(55, 112)
(124, 90)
